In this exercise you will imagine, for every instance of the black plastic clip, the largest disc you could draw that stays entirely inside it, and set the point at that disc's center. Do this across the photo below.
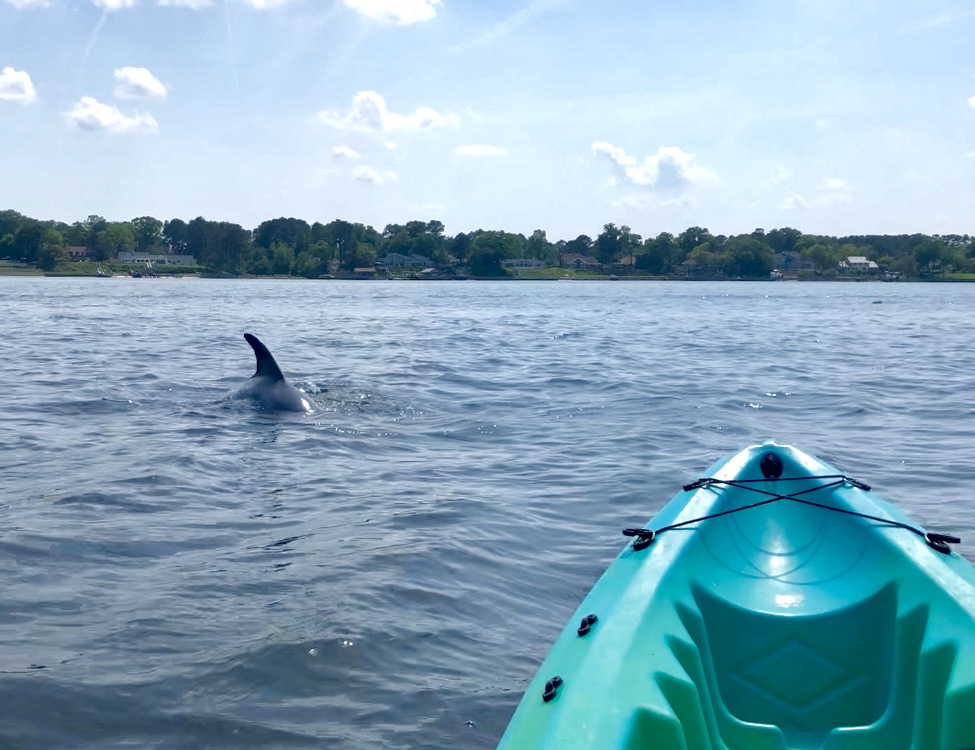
(696, 484)
(858, 484)
(586, 625)
(646, 537)
(552, 688)
(940, 542)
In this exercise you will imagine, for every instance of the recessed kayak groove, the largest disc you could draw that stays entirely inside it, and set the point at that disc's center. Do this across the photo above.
(774, 605)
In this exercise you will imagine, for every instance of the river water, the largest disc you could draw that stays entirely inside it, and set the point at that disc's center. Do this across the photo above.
(184, 570)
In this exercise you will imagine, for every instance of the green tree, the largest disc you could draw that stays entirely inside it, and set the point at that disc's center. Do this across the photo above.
(10, 222)
(929, 255)
(538, 246)
(905, 265)
(148, 233)
(91, 228)
(783, 240)
(195, 241)
(747, 255)
(52, 250)
(174, 234)
(487, 252)
(460, 246)
(27, 240)
(112, 240)
(581, 245)
(705, 261)
(308, 264)
(659, 254)
(429, 246)
(822, 256)
(609, 244)
(362, 256)
(342, 236)
(233, 246)
(282, 258)
(400, 243)
(691, 238)
(295, 233)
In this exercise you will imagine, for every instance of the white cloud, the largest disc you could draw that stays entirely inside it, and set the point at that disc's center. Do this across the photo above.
(113, 5)
(90, 114)
(669, 169)
(479, 150)
(402, 12)
(794, 202)
(971, 102)
(24, 4)
(369, 113)
(16, 86)
(373, 176)
(836, 183)
(191, 4)
(138, 83)
(834, 190)
(344, 152)
(823, 124)
(782, 174)
(970, 154)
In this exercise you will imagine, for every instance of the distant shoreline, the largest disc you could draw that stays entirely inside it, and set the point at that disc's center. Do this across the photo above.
(36, 273)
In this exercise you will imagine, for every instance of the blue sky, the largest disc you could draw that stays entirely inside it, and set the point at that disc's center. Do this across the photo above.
(829, 116)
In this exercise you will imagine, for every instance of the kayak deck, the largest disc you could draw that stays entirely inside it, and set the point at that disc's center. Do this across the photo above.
(780, 625)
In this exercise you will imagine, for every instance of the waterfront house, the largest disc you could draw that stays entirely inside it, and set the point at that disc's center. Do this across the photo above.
(792, 260)
(80, 252)
(578, 261)
(156, 260)
(398, 260)
(859, 263)
(522, 263)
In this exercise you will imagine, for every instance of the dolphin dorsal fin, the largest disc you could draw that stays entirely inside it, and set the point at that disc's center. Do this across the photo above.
(266, 366)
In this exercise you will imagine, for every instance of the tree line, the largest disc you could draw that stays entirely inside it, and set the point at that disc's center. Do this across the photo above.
(290, 246)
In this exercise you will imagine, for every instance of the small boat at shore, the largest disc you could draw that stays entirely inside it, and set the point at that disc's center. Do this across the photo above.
(775, 603)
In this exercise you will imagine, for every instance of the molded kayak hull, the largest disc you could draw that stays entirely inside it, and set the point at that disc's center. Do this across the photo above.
(783, 625)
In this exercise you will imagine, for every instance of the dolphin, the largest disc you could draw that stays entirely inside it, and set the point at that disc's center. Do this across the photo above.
(268, 387)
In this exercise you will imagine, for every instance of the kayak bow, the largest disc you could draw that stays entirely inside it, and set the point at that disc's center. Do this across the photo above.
(775, 605)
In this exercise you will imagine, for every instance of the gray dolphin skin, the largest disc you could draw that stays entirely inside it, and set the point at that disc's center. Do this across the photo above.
(267, 385)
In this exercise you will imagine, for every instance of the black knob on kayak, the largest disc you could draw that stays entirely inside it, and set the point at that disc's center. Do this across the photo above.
(586, 625)
(551, 689)
(771, 466)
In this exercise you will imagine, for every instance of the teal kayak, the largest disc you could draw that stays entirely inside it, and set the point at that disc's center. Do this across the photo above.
(776, 604)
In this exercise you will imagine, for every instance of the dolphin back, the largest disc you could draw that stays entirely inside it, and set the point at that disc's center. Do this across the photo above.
(266, 366)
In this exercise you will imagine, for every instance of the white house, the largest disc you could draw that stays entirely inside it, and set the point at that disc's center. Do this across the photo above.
(522, 263)
(157, 260)
(859, 263)
(398, 260)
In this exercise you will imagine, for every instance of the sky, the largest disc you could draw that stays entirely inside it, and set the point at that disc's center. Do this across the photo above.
(829, 116)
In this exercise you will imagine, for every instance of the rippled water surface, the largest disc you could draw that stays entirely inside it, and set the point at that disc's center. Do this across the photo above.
(184, 570)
